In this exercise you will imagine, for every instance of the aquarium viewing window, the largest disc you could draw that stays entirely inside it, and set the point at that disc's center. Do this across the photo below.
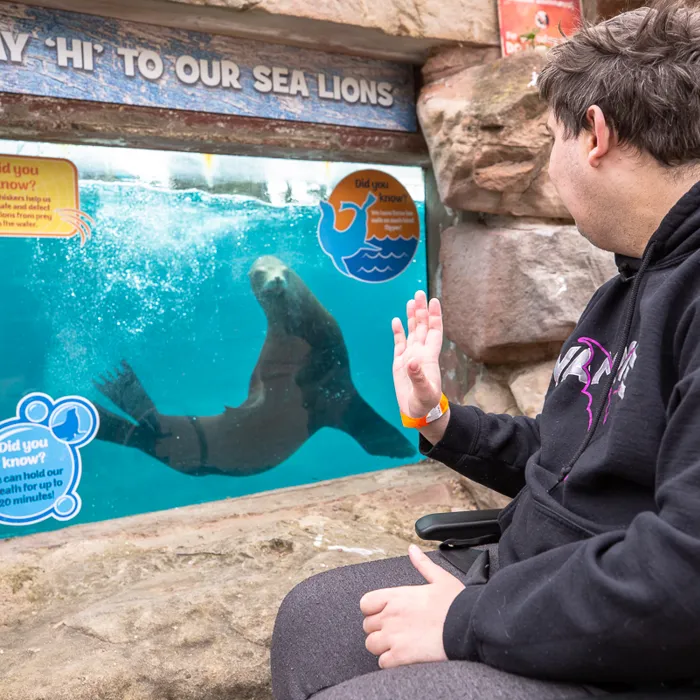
(180, 328)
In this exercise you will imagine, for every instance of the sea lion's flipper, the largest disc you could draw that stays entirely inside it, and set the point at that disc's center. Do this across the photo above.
(127, 392)
(114, 428)
(375, 435)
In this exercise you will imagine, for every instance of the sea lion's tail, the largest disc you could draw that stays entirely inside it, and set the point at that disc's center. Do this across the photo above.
(377, 436)
(125, 390)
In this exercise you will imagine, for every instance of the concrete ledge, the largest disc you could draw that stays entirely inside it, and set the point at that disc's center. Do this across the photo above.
(181, 604)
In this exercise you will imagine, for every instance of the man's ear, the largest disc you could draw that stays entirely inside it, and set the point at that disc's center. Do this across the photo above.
(600, 136)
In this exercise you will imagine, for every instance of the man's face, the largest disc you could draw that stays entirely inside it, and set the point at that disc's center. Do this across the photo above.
(565, 166)
(576, 180)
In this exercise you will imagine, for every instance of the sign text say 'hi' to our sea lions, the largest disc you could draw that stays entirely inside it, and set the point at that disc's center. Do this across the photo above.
(64, 54)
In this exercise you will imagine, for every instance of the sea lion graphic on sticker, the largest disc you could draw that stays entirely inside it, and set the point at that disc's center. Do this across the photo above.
(369, 227)
(341, 245)
(40, 463)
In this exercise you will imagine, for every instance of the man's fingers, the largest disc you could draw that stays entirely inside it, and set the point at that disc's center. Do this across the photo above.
(433, 339)
(399, 336)
(421, 312)
(376, 644)
(435, 315)
(387, 660)
(411, 319)
(373, 623)
(428, 569)
(374, 602)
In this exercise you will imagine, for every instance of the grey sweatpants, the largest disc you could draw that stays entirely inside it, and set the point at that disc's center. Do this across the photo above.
(318, 648)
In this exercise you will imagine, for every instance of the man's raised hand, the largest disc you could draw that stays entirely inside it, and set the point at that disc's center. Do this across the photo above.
(416, 368)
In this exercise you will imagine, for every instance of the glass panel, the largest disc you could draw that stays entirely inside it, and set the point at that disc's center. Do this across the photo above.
(159, 321)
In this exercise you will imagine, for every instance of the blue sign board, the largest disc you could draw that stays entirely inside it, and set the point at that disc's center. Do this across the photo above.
(63, 54)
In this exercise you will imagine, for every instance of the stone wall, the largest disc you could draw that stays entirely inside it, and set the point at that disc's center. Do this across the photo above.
(514, 273)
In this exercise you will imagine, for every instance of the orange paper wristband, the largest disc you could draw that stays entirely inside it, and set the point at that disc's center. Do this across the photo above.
(409, 422)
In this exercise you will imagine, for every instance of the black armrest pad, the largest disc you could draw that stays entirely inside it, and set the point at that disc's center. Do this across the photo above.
(464, 525)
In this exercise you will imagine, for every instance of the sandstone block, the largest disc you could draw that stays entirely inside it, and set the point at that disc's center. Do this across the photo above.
(529, 387)
(485, 129)
(491, 396)
(471, 21)
(513, 290)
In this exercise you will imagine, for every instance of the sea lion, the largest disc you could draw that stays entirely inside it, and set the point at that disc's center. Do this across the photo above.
(300, 384)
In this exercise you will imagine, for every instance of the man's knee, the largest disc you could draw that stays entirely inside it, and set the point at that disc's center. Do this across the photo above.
(307, 625)
(294, 610)
(309, 609)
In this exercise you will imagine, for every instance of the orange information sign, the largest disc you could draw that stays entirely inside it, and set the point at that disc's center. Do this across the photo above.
(531, 24)
(39, 198)
(393, 212)
(369, 226)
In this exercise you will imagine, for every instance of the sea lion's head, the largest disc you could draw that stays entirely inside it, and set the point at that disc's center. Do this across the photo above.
(280, 291)
(269, 279)
(290, 306)
(284, 297)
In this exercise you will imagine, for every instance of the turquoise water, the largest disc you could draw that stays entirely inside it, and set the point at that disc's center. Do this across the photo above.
(163, 283)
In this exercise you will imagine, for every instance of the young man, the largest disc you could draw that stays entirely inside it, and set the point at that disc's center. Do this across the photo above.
(597, 577)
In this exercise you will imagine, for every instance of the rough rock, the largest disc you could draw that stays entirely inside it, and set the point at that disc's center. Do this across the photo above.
(610, 8)
(181, 604)
(513, 289)
(485, 129)
(458, 372)
(483, 497)
(450, 60)
(491, 395)
(474, 21)
(529, 386)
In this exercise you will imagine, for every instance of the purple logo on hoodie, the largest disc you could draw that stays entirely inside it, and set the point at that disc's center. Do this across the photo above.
(590, 362)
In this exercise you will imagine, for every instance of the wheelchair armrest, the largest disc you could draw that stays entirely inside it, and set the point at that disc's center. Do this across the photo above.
(479, 525)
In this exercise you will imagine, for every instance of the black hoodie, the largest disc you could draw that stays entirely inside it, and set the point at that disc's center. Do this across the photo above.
(599, 577)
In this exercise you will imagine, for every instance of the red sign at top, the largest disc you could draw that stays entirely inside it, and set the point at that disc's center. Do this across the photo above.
(532, 23)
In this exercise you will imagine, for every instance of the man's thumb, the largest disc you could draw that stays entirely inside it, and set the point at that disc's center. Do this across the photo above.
(424, 391)
(415, 373)
(430, 571)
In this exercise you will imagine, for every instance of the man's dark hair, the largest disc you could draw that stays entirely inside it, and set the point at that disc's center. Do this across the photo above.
(642, 68)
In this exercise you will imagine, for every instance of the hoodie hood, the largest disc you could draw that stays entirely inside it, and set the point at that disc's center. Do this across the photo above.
(677, 236)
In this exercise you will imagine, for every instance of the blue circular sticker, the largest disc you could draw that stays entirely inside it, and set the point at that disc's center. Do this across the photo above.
(40, 465)
(369, 227)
